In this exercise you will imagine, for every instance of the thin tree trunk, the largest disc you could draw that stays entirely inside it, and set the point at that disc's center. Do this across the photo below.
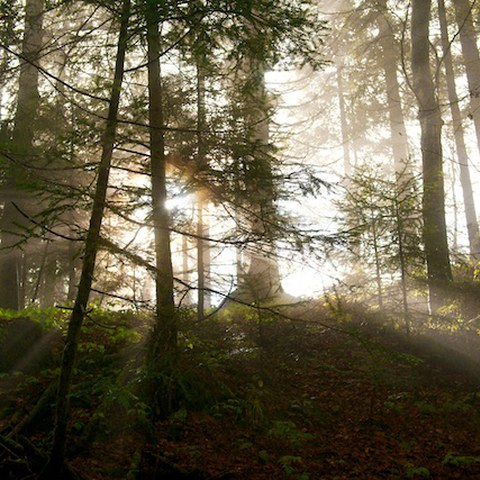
(57, 456)
(203, 250)
(22, 140)
(435, 231)
(398, 132)
(163, 344)
(459, 135)
(200, 262)
(185, 270)
(47, 292)
(403, 262)
(347, 161)
(4, 64)
(378, 273)
(54, 272)
(471, 56)
(72, 262)
(40, 274)
(73, 250)
(453, 173)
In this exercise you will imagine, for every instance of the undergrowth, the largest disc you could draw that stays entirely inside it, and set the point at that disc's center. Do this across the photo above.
(279, 388)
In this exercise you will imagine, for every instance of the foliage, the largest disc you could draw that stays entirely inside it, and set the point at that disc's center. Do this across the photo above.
(271, 383)
(416, 472)
(381, 218)
(456, 460)
(288, 431)
(247, 399)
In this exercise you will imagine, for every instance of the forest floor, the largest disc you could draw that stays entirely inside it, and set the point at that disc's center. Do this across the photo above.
(327, 396)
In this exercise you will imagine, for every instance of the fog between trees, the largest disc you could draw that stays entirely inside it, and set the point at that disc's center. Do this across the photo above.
(185, 156)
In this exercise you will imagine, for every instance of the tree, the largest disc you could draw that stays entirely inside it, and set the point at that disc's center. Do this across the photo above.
(367, 59)
(202, 63)
(398, 131)
(163, 343)
(56, 464)
(256, 155)
(434, 230)
(262, 280)
(459, 135)
(471, 56)
(382, 220)
(11, 222)
(347, 162)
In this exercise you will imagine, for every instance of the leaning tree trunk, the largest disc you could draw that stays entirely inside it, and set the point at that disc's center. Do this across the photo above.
(163, 342)
(471, 57)
(57, 457)
(22, 142)
(435, 231)
(458, 131)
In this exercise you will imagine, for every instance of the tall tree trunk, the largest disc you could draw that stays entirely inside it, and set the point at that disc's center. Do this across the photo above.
(463, 160)
(40, 274)
(402, 258)
(435, 231)
(398, 132)
(72, 267)
(163, 343)
(186, 271)
(48, 290)
(73, 260)
(57, 456)
(203, 260)
(376, 254)
(347, 161)
(471, 56)
(262, 279)
(4, 66)
(22, 142)
(203, 248)
(54, 273)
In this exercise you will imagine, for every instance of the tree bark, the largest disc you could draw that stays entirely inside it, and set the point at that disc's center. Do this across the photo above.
(57, 457)
(163, 343)
(22, 143)
(203, 249)
(376, 253)
(262, 279)
(471, 56)
(398, 132)
(459, 135)
(435, 231)
(347, 160)
(203, 260)
(402, 259)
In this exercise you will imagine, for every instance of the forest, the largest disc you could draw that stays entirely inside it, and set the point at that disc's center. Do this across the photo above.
(239, 239)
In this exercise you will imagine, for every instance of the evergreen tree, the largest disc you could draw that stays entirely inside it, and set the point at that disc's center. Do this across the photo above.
(435, 232)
